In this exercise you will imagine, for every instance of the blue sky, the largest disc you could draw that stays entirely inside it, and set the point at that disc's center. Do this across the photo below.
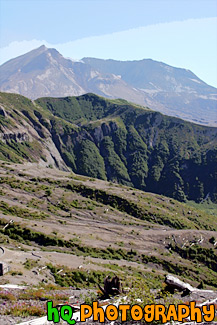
(178, 32)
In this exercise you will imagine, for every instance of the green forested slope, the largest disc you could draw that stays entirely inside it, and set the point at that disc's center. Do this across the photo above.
(120, 142)
(136, 146)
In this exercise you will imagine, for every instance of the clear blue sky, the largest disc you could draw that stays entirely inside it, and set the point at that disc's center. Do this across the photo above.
(182, 33)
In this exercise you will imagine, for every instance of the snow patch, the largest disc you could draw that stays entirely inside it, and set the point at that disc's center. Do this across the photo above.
(116, 76)
(44, 75)
(93, 74)
(195, 80)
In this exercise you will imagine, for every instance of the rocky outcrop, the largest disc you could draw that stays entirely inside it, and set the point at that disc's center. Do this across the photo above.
(23, 136)
(17, 137)
(3, 112)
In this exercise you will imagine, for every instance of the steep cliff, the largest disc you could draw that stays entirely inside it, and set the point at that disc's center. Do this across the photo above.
(22, 135)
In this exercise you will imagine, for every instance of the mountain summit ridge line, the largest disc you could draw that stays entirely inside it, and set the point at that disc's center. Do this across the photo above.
(173, 91)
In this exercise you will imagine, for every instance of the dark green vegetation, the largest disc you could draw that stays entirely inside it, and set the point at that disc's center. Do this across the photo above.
(117, 141)
(137, 210)
(200, 254)
(79, 278)
(21, 212)
(85, 279)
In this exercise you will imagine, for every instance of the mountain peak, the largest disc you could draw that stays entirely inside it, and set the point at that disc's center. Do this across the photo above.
(42, 47)
(45, 72)
(38, 50)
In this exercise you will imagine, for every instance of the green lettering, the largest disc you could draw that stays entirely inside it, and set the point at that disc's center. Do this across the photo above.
(52, 313)
(66, 314)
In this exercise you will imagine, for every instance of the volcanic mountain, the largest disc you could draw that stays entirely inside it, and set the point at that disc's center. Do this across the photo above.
(172, 91)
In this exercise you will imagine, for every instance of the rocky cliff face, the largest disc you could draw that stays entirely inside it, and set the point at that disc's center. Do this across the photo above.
(23, 137)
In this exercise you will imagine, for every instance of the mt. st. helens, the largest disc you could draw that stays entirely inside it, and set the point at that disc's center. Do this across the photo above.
(177, 92)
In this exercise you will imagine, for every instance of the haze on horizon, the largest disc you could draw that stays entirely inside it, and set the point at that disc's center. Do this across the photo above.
(179, 33)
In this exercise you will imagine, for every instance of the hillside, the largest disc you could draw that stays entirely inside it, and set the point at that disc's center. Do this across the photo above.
(63, 231)
(112, 140)
(66, 213)
(172, 91)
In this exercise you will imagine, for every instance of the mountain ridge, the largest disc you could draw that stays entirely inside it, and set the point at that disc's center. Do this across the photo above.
(173, 91)
(117, 66)
(112, 140)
